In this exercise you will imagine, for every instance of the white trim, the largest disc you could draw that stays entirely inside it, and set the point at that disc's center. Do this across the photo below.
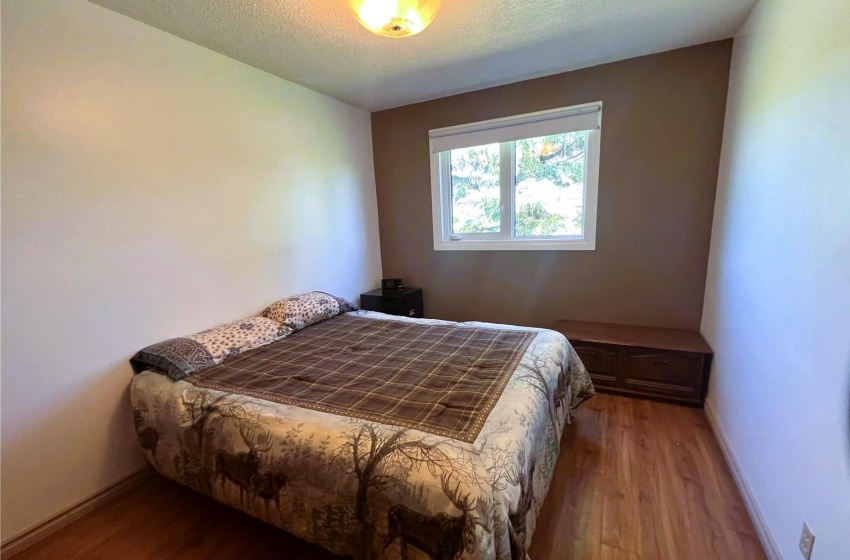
(514, 245)
(505, 240)
(591, 184)
(508, 129)
(31, 536)
(765, 536)
(506, 187)
(437, 195)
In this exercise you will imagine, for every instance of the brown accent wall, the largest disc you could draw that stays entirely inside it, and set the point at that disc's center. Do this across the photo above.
(662, 125)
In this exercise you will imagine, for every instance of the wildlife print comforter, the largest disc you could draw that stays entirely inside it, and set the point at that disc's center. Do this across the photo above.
(366, 488)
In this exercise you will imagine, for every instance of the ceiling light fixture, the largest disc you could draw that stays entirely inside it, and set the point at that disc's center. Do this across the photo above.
(395, 18)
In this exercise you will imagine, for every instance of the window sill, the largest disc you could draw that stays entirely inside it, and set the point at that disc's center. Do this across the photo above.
(503, 245)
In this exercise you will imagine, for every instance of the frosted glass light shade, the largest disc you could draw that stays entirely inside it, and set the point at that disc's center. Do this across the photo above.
(395, 18)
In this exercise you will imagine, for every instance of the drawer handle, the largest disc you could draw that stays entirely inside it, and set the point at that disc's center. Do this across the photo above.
(659, 362)
(588, 353)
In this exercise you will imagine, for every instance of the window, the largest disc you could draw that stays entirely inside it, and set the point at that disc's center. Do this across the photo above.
(524, 182)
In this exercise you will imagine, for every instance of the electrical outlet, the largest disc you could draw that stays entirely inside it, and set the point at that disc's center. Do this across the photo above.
(807, 541)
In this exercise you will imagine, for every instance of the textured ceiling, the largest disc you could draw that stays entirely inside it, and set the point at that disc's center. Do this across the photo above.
(472, 44)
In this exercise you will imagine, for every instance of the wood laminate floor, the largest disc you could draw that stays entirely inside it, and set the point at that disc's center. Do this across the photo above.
(636, 480)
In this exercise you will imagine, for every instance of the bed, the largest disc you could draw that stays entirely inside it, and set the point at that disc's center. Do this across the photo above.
(374, 436)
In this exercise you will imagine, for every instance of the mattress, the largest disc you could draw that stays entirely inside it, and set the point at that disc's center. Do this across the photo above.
(344, 469)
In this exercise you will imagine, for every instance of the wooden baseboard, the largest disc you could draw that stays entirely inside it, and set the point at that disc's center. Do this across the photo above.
(765, 536)
(46, 528)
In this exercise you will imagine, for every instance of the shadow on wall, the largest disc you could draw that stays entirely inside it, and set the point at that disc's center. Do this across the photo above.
(69, 425)
(848, 410)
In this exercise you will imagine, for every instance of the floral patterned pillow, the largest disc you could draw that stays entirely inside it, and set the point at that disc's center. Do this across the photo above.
(303, 310)
(233, 338)
(179, 357)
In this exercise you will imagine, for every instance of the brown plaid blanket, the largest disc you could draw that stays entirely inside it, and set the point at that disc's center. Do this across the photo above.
(441, 379)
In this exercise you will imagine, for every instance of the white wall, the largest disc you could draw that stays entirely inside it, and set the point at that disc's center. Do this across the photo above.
(777, 307)
(151, 188)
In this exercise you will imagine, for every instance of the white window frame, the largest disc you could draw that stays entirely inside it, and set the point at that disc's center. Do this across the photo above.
(505, 131)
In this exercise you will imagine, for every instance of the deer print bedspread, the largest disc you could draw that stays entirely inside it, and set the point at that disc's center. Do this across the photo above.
(368, 489)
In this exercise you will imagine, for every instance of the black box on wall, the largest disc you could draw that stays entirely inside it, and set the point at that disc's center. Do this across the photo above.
(391, 284)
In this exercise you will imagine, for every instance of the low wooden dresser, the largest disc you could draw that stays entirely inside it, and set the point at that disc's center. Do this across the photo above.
(662, 364)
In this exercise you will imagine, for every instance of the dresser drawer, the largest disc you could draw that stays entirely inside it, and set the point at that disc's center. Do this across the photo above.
(407, 307)
(671, 365)
(665, 373)
(600, 361)
(406, 302)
